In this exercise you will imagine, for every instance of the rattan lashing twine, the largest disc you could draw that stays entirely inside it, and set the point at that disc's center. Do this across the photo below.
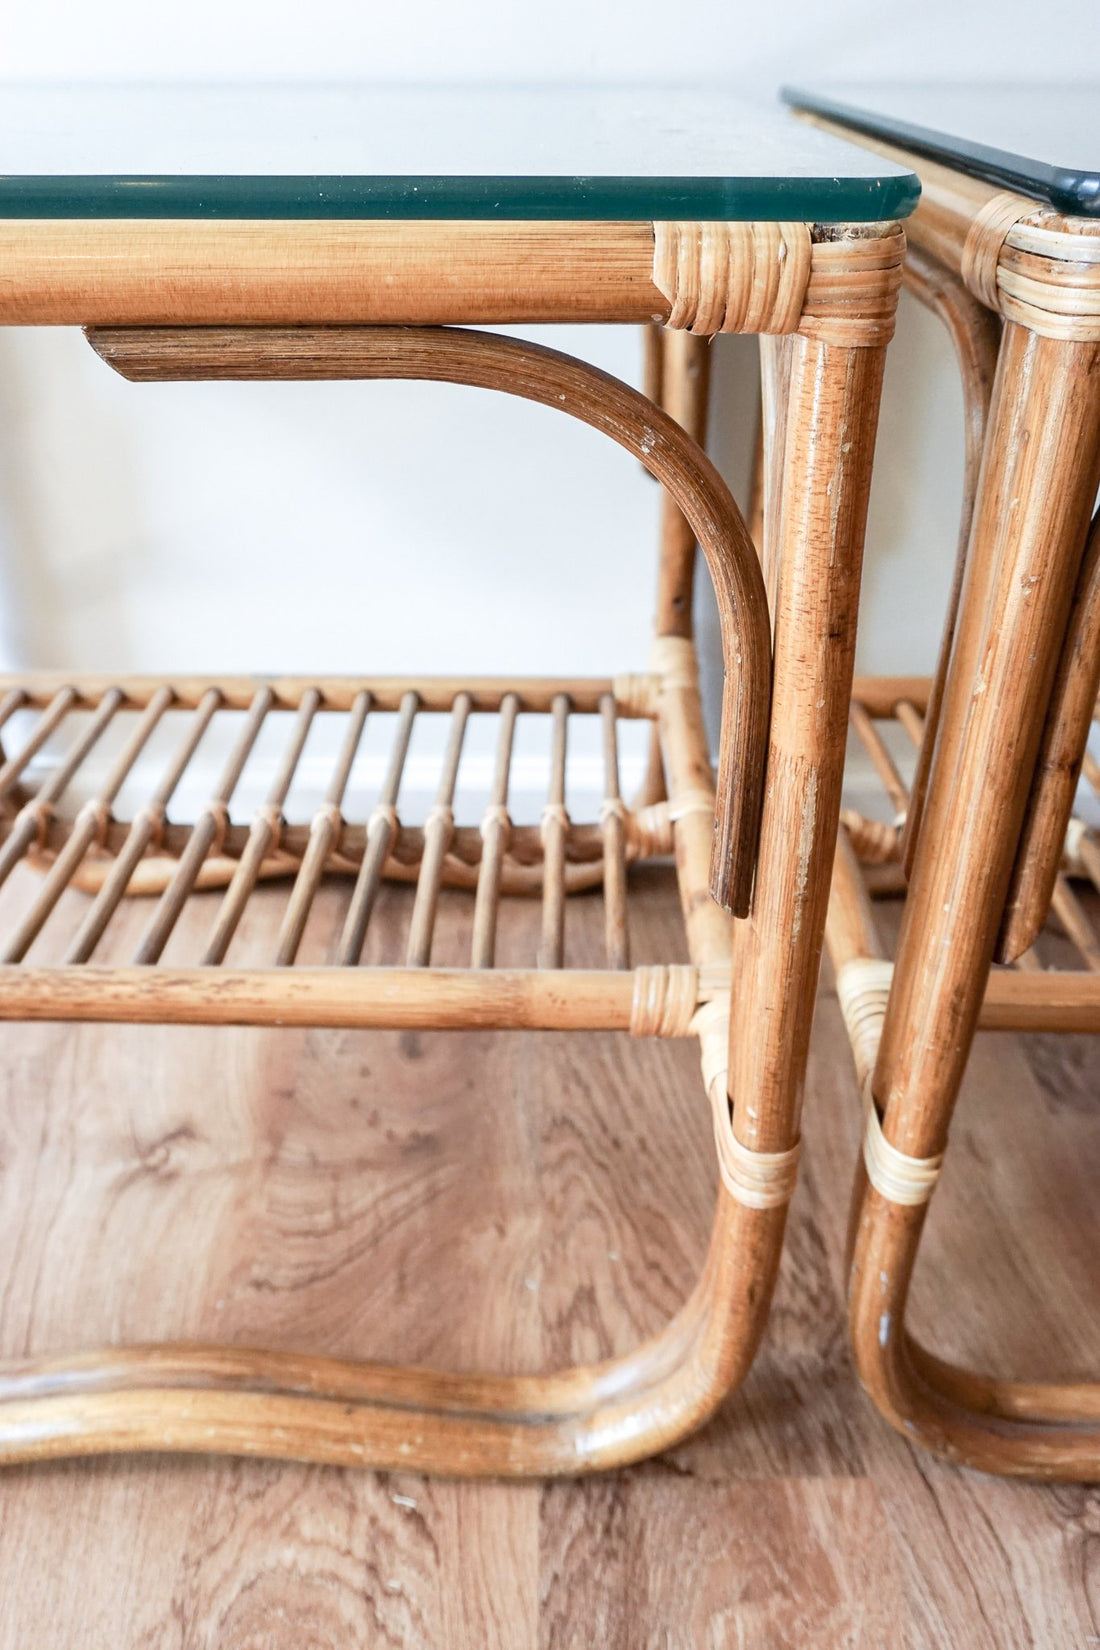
(732, 277)
(759, 1180)
(863, 987)
(984, 240)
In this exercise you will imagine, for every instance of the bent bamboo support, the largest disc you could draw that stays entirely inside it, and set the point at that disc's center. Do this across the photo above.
(452, 355)
(1031, 1429)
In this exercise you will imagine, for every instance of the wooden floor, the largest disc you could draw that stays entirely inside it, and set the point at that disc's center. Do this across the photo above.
(522, 1201)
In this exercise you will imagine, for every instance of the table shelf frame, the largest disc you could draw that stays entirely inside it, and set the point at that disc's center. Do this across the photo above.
(760, 836)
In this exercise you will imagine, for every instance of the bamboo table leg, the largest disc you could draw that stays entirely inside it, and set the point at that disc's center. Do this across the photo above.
(1039, 479)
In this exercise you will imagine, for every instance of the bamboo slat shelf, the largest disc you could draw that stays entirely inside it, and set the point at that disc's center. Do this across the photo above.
(80, 838)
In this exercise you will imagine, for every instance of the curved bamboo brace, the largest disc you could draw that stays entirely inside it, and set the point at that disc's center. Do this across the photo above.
(1023, 1429)
(484, 360)
(994, 1425)
(1065, 735)
(293, 1406)
(976, 334)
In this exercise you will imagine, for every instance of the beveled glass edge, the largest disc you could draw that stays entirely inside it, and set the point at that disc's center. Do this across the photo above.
(1074, 192)
(807, 200)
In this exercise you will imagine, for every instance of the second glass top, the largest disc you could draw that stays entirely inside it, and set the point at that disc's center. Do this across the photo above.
(1040, 140)
(428, 152)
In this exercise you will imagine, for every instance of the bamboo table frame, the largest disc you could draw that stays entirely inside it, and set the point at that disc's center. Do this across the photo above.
(283, 301)
(987, 837)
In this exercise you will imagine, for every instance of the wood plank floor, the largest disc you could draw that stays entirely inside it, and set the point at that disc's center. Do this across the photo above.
(520, 1201)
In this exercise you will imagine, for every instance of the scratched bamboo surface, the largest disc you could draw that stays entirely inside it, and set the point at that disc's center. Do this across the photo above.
(522, 1200)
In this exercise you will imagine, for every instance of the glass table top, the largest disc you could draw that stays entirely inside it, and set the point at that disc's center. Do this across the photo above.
(357, 151)
(1042, 141)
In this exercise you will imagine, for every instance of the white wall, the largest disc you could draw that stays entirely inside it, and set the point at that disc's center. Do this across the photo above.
(381, 526)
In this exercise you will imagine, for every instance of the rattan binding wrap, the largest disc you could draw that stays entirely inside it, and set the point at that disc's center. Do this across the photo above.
(775, 278)
(732, 277)
(863, 987)
(759, 1180)
(985, 239)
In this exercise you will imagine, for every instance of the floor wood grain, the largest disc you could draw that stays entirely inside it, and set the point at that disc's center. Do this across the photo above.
(520, 1201)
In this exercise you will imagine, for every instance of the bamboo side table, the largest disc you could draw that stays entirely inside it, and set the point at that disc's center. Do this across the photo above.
(987, 836)
(409, 212)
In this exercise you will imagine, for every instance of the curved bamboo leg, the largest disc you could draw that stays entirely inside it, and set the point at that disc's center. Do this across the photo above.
(1038, 483)
(202, 1398)
(301, 1407)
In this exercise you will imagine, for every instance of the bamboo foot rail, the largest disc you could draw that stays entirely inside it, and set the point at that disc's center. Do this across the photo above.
(1033, 1429)
(741, 848)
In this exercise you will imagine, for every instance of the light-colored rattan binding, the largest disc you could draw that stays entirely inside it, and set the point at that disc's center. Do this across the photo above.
(732, 277)
(985, 239)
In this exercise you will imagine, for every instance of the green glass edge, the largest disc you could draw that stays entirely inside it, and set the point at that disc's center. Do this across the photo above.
(806, 200)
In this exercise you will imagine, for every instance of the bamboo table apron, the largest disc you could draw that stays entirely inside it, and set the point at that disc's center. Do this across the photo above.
(347, 234)
(1005, 246)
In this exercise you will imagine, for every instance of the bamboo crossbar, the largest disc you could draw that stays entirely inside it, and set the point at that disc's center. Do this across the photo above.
(395, 998)
(83, 690)
(583, 842)
(752, 277)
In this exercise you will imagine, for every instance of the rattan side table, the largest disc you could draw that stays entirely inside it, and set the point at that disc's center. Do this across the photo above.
(196, 257)
(988, 838)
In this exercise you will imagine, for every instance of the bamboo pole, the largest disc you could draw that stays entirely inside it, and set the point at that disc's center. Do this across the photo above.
(555, 833)
(204, 836)
(496, 828)
(381, 830)
(438, 830)
(263, 836)
(616, 934)
(324, 833)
